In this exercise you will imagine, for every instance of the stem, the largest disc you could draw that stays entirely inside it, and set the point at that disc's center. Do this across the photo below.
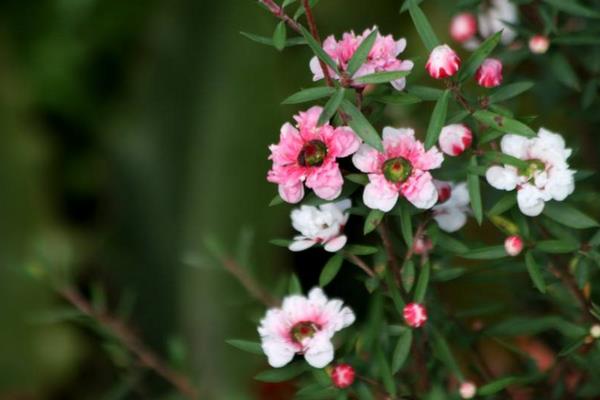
(360, 264)
(279, 13)
(312, 25)
(131, 342)
(383, 231)
(251, 286)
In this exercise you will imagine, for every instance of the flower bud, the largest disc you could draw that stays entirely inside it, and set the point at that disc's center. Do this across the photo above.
(422, 245)
(444, 190)
(595, 331)
(342, 376)
(467, 390)
(455, 138)
(443, 62)
(415, 315)
(463, 27)
(539, 44)
(489, 74)
(513, 245)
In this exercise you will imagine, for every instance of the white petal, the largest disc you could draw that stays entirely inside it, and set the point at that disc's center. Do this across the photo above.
(501, 178)
(336, 244)
(379, 197)
(451, 219)
(366, 159)
(317, 297)
(392, 134)
(278, 353)
(320, 351)
(343, 205)
(299, 245)
(514, 145)
(530, 200)
(316, 69)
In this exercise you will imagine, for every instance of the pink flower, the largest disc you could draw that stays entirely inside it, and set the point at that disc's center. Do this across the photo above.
(467, 390)
(303, 325)
(455, 138)
(489, 74)
(403, 168)
(415, 315)
(343, 376)
(381, 58)
(422, 245)
(539, 44)
(443, 62)
(308, 154)
(463, 27)
(513, 245)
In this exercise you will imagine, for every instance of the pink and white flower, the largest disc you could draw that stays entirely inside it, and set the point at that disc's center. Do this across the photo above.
(303, 325)
(422, 245)
(451, 215)
(489, 73)
(443, 62)
(463, 27)
(308, 154)
(547, 176)
(467, 390)
(383, 56)
(455, 139)
(493, 16)
(343, 376)
(320, 225)
(513, 245)
(539, 44)
(402, 169)
(415, 315)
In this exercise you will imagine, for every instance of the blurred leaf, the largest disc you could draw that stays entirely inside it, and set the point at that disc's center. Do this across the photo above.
(330, 270)
(385, 373)
(444, 354)
(422, 25)
(399, 98)
(246, 345)
(361, 53)
(361, 126)
(318, 50)
(406, 224)
(451, 244)
(280, 36)
(408, 275)
(402, 350)
(474, 61)
(573, 7)
(497, 157)
(556, 246)
(361, 179)
(534, 272)
(563, 71)
(280, 242)
(577, 40)
(422, 283)
(294, 287)
(509, 91)
(282, 374)
(309, 94)
(438, 118)
(424, 92)
(503, 124)
(361, 250)
(300, 11)
(590, 91)
(363, 392)
(497, 385)
(506, 202)
(490, 135)
(474, 192)
(331, 106)
(574, 345)
(372, 221)
(530, 325)
(485, 253)
(56, 315)
(394, 292)
(276, 201)
(448, 274)
(381, 77)
(568, 216)
(295, 41)
(458, 116)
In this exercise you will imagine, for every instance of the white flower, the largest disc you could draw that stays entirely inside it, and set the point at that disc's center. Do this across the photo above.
(323, 224)
(492, 17)
(547, 177)
(303, 325)
(451, 215)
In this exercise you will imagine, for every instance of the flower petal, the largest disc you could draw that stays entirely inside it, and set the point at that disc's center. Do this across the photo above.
(336, 244)
(502, 178)
(299, 245)
(450, 219)
(320, 350)
(367, 159)
(530, 200)
(380, 194)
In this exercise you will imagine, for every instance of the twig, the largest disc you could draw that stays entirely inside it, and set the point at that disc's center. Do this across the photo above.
(279, 13)
(131, 342)
(360, 264)
(251, 286)
(312, 25)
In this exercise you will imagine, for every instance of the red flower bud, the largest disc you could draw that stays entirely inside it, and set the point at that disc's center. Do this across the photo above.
(342, 375)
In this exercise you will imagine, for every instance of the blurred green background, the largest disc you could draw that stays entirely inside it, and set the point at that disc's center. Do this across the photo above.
(131, 131)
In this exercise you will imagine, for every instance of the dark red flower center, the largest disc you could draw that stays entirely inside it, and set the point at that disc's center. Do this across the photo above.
(303, 330)
(397, 169)
(312, 154)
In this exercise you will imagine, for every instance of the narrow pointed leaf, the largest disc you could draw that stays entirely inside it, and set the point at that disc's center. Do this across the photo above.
(573, 7)
(468, 69)
(502, 123)
(505, 203)
(279, 36)
(399, 98)
(557, 246)
(310, 94)
(294, 287)
(295, 41)
(318, 50)
(331, 106)
(281, 374)
(438, 118)
(361, 53)
(534, 272)
(373, 219)
(564, 72)
(330, 270)
(473, 186)
(246, 345)
(361, 126)
(423, 26)
(394, 292)
(381, 77)
(385, 374)
(569, 216)
(406, 224)
(422, 283)
(496, 386)
(485, 253)
(402, 350)
(509, 91)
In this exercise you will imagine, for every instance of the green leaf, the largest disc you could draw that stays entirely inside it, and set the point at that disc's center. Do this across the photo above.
(309, 94)
(571, 347)
(398, 98)
(361, 126)
(318, 50)
(381, 77)
(564, 72)
(363, 392)
(497, 157)
(423, 26)
(473, 186)
(361, 250)
(556, 246)
(246, 345)
(590, 91)
(394, 292)
(503, 124)
(331, 106)
(373, 219)
(448, 243)
(385, 373)
(509, 91)
(296, 41)
(294, 287)
(402, 350)
(534, 272)
(443, 352)
(486, 253)
(577, 40)
(489, 135)
(361, 53)
(569, 216)
(458, 116)
(280, 242)
(574, 8)
(505, 203)
(406, 224)
(276, 201)
(483, 51)
(408, 275)
(279, 36)
(330, 270)
(422, 283)
(281, 374)
(361, 179)
(438, 118)
(497, 385)
(424, 92)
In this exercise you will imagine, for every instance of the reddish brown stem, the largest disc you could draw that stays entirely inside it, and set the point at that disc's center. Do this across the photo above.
(312, 25)
(251, 286)
(277, 11)
(360, 264)
(146, 357)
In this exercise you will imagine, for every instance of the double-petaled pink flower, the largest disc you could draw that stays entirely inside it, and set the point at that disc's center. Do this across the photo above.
(403, 169)
(383, 56)
(308, 154)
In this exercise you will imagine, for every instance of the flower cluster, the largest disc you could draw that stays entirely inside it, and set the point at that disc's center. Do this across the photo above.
(320, 225)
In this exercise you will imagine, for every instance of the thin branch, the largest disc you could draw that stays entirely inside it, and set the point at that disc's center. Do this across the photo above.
(312, 25)
(248, 282)
(131, 342)
(360, 264)
(279, 13)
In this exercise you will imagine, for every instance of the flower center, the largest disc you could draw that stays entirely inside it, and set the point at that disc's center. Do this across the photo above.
(312, 154)
(303, 330)
(397, 169)
(533, 166)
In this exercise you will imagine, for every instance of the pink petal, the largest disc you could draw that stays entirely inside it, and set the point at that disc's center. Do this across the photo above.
(379, 194)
